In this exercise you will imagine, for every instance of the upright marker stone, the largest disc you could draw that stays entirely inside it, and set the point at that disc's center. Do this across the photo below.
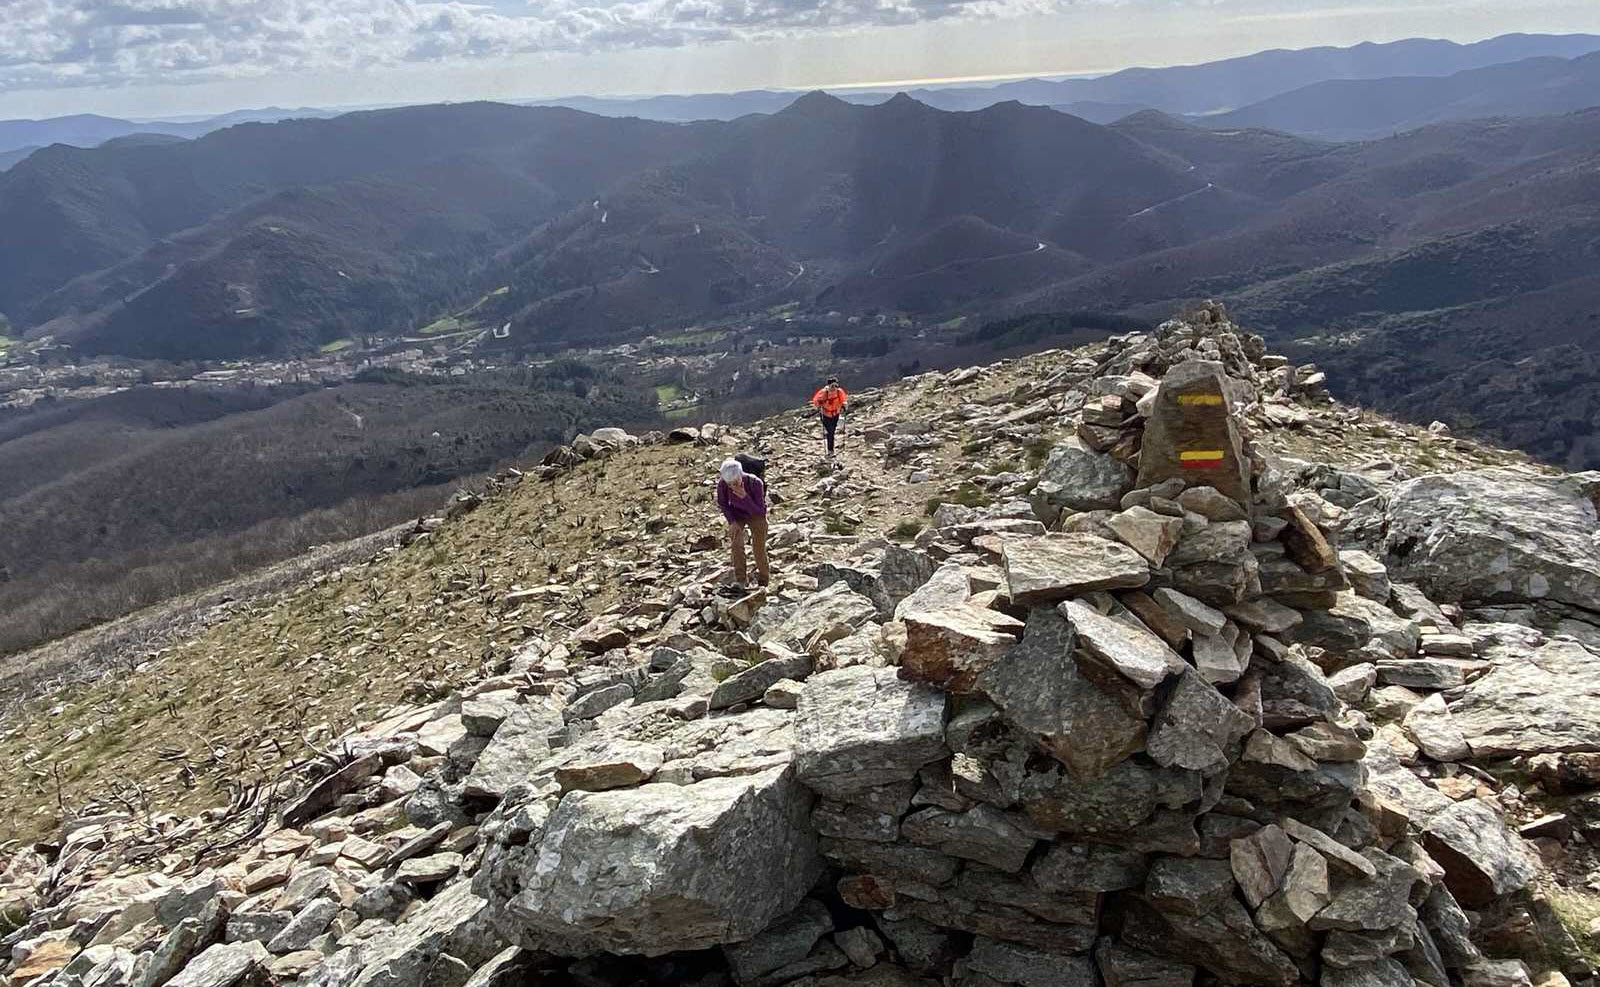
(1192, 436)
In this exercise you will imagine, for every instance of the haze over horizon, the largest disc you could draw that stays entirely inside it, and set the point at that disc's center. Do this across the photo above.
(161, 58)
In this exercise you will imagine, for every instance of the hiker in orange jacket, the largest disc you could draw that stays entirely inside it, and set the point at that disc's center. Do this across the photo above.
(830, 401)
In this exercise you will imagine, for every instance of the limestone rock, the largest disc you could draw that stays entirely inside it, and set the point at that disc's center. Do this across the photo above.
(428, 870)
(1373, 904)
(1544, 702)
(1481, 858)
(860, 728)
(1076, 478)
(225, 965)
(947, 587)
(1199, 617)
(1265, 615)
(828, 615)
(1385, 972)
(1366, 574)
(1494, 536)
(982, 833)
(1224, 940)
(785, 942)
(1260, 863)
(1038, 686)
(1305, 543)
(520, 742)
(1188, 885)
(1111, 805)
(1011, 963)
(452, 926)
(951, 648)
(1196, 728)
(1150, 534)
(610, 764)
(1211, 504)
(1049, 568)
(1114, 649)
(624, 871)
(753, 682)
(1079, 868)
(1294, 692)
(1124, 967)
(305, 926)
(1432, 727)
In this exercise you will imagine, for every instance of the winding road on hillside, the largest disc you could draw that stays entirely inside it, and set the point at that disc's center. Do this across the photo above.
(1177, 198)
(959, 260)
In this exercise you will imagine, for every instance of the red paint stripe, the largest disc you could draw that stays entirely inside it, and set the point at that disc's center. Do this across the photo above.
(1201, 464)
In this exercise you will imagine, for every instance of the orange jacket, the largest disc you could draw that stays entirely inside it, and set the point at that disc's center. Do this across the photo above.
(830, 404)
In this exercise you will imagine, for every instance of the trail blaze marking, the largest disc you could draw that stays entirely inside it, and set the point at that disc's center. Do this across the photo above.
(1211, 399)
(1202, 459)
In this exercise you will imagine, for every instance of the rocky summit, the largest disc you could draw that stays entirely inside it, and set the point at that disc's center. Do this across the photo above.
(1170, 708)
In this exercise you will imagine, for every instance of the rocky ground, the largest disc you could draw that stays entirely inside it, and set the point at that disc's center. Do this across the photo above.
(1025, 705)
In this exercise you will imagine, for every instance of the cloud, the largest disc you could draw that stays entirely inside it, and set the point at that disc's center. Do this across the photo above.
(57, 43)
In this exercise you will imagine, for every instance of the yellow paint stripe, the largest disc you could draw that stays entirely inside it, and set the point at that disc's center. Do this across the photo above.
(1199, 399)
(1203, 455)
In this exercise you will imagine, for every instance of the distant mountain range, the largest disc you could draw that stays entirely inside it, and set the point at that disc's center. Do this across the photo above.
(21, 137)
(1406, 261)
(1233, 84)
(1353, 109)
(1211, 87)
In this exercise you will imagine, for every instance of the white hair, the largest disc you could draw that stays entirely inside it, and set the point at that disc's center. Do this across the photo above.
(731, 471)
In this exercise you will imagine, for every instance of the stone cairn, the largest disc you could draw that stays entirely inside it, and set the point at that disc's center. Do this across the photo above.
(1090, 737)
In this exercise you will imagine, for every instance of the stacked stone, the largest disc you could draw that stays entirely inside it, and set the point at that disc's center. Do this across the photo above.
(1129, 766)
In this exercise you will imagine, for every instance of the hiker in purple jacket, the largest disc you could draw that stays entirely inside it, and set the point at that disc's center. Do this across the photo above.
(742, 499)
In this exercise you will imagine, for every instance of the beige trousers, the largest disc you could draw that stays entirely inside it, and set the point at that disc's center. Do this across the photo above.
(758, 539)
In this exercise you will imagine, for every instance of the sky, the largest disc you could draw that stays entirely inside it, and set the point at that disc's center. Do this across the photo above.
(162, 58)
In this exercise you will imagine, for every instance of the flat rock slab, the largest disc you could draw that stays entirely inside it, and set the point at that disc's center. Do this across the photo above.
(224, 965)
(1077, 478)
(630, 871)
(830, 614)
(1054, 567)
(617, 764)
(520, 742)
(983, 833)
(947, 587)
(1494, 536)
(1150, 534)
(951, 647)
(1111, 646)
(861, 728)
(1542, 703)
(753, 682)
(1197, 728)
(1481, 858)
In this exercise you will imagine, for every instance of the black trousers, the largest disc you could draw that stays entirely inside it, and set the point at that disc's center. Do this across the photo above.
(828, 425)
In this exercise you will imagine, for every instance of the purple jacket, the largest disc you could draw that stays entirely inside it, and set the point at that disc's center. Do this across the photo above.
(752, 505)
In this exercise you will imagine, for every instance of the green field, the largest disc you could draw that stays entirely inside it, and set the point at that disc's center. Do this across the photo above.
(461, 320)
(447, 324)
(667, 393)
(337, 345)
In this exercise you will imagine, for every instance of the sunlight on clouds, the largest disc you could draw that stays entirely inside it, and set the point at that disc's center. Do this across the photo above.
(46, 43)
